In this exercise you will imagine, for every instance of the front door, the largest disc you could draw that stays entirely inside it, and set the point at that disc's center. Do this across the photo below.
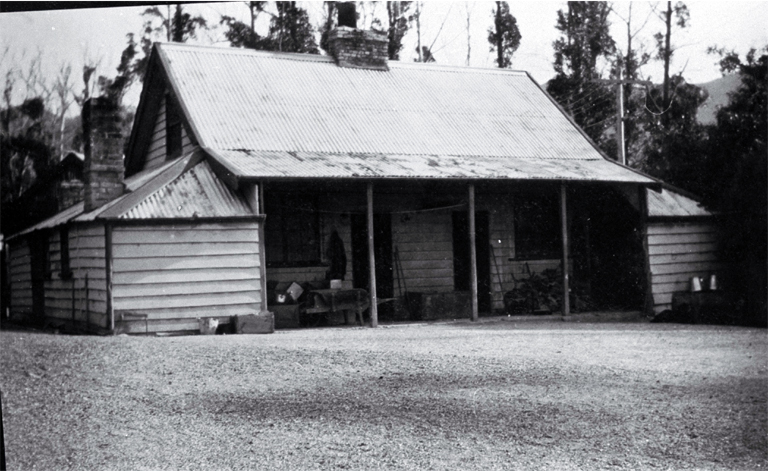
(382, 248)
(461, 258)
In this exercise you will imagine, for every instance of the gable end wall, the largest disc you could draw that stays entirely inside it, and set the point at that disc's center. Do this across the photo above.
(156, 151)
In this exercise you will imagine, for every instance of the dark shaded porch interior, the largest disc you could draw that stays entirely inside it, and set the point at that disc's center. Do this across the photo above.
(421, 241)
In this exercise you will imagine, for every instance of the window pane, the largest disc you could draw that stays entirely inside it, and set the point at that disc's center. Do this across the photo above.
(291, 230)
(537, 228)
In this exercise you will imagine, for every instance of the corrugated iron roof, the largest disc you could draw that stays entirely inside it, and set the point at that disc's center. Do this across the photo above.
(257, 102)
(318, 165)
(76, 211)
(160, 193)
(669, 203)
(195, 193)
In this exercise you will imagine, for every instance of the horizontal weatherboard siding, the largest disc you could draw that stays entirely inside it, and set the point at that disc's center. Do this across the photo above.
(185, 271)
(20, 268)
(678, 252)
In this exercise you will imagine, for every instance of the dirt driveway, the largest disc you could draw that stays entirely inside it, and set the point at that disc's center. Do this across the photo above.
(493, 395)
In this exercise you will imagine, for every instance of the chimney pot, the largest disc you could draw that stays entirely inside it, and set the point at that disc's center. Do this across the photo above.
(347, 14)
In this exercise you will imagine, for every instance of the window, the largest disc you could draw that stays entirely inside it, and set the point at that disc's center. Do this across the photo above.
(537, 227)
(66, 272)
(172, 128)
(291, 231)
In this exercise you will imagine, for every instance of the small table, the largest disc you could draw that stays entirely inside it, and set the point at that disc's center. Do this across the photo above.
(323, 301)
(704, 307)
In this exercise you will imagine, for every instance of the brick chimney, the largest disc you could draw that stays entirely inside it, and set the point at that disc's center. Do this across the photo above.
(70, 192)
(355, 48)
(103, 170)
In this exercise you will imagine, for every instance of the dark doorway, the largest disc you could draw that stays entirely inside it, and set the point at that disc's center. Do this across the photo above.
(382, 247)
(461, 258)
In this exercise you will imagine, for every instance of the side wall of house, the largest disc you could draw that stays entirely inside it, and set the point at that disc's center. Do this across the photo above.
(83, 297)
(677, 252)
(178, 273)
(156, 152)
(20, 271)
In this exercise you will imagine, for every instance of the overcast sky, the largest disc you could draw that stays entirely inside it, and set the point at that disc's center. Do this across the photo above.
(71, 36)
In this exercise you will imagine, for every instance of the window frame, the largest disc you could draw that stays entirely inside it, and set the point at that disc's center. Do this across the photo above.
(281, 209)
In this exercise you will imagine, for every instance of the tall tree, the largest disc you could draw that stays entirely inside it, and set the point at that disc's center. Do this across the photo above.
(469, 36)
(629, 63)
(240, 34)
(289, 30)
(398, 22)
(174, 25)
(675, 148)
(418, 32)
(664, 46)
(504, 36)
(329, 23)
(737, 181)
(585, 41)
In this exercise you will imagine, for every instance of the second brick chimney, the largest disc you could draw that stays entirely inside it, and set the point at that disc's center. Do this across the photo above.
(103, 169)
(355, 48)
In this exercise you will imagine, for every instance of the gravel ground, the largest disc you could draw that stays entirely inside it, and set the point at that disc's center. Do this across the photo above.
(492, 395)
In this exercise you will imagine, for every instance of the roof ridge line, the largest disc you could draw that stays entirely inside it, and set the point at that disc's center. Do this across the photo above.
(302, 56)
(404, 154)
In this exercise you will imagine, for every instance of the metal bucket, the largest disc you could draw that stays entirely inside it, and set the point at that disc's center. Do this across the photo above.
(695, 284)
(712, 282)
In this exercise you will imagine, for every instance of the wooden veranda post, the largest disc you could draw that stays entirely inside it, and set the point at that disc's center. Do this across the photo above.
(372, 260)
(472, 250)
(564, 231)
(648, 299)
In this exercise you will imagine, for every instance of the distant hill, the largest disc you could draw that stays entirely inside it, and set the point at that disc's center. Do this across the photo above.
(718, 91)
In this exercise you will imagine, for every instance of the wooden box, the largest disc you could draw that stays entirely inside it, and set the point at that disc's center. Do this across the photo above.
(262, 323)
(286, 316)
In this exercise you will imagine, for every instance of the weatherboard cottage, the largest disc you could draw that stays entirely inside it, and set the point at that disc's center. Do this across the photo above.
(244, 167)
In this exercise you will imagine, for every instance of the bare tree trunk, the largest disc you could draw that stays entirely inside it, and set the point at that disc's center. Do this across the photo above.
(667, 57)
(469, 42)
(629, 73)
(499, 38)
(418, 30)
(168, 23)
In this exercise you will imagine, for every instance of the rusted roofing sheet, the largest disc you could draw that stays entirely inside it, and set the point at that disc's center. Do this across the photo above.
(669, 203)
(262, 102)
(318, 165)
(196, 193)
